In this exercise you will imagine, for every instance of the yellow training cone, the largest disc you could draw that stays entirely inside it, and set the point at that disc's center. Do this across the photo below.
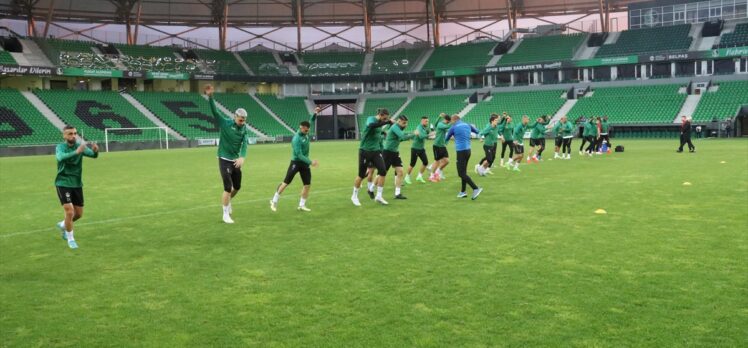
(723, 162)
(686, 183)
(600, 211)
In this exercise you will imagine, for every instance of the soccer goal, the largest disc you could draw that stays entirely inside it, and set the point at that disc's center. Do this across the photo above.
(159, 134)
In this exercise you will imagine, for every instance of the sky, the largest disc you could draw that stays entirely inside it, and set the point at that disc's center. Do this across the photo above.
(286, 37)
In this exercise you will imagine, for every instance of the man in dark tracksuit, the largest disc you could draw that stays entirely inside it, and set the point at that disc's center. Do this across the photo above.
(685, 134)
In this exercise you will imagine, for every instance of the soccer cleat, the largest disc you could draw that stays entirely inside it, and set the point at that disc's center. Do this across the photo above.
(476, 169)
(692, 150)
(61, 226)
(273, 206)
(581, 153)
(72, 244)
(461, 195)
(381, 201)
(303, 208)
(476, 193)
(516, 169)
(678, 151)
(400, 196)
(227, 219)
(434, 178)
(420, 179)
(407, 180)
(371, 194)
(508, 166)
(442, 177)
(355, 201)
(488, 171)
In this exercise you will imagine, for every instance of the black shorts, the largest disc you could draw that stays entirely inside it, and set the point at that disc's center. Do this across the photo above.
(231, 176)
(391, 159)
(374, 158)
(537, 142)
(440, 152)
(298, 167)
(70, 195)
(416, 154)
(519, 149)
(559, 141)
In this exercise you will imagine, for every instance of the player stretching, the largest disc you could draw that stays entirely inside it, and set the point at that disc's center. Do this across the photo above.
(300, 163)
(565, 133)
(589, 134)
(507, 137)
(537, 138)
(417, 151)
(391, 151)
(519, 143)
(461, 131)
(68, 181)
(232, 148)
(441, 155)
(490, 134)
(604, 137)
(370, 150)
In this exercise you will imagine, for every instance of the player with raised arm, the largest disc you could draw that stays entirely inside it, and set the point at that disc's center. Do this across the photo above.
(391, 151)
(417, 151)
(519, 143)
(441, 155)
(507, 137)
(370, 151)
(300, 164)
(68, 181)
(232, 148)
(564, 131)
(490, 137)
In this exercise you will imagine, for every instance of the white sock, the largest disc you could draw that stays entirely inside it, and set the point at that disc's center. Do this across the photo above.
(397, 191)
(229, 205)
(420, 175)
(439, 171)
(370, 185)
(225, 209)
(380, 189)
(516, 165)
(69, 235)
(511, 161)
(355, 192)
(302, 202)
(276, 197)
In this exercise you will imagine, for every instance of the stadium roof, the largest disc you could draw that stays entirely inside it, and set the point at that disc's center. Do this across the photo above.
(276, 13)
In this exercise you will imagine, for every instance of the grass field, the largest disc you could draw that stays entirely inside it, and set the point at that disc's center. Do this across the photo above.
(527, 264)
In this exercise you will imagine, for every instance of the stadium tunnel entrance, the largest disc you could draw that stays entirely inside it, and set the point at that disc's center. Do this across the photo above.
(337, 120)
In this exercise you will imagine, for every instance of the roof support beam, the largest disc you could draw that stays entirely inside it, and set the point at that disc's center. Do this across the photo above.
(50, 13)
(80, 32)
(331, 35)
(399, 34)
(177, 36)
(474, 30)
(260, 36)
(137, 23)
(367, 25)
(436, 14)
(299, 19)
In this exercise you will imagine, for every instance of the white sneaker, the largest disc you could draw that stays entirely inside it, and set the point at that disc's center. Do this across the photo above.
(476, 168)
(581, 153)
(273, 206)
(381, 201)
(355, 201)
(303, 208)
(501, 163)
(227, 219)
(488, 171)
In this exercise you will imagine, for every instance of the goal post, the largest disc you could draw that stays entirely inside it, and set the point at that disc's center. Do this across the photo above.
(160, 134)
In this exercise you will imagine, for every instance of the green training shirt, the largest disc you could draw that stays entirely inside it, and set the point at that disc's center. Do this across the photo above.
(371, 137)
(394, 136)
(418, 140)
(604, 125)
(300, 145)
(538, 130)
(563, 130)
(506, 131)
(519, 133)
(233, 138)
(441, 133)
(490, 134)
(70, 165)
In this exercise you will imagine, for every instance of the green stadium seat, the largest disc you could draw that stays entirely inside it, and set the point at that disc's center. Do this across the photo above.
(331, 63)
(153, 58)
(394, 61)
(723, 103)
(516, 104)
(737, 38)
(225, 62)
(22, 124)
(93, 111)
(256, 115)
(544, 49)
(292, 110)
(6, 58)
(187, 113)
(432, 106)
(371, 105)
(263, 63)
(638, 41)
(632, 105)
(467, 55)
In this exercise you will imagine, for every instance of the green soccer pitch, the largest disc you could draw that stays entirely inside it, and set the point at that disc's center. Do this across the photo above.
(527, 264)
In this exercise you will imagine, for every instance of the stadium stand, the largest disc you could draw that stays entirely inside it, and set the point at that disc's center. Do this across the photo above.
(263, 63)
(739, 37)
(6, 58)
(372, 104)
(468, 55)
(331, 63)
(394, 61)
(71, 45)
(543, 49)
(660, 39)
(292, 110)
(432, 106)
(225, 62)
(629, 105)
(256, 115)
(22, 124)
(153, 58)
(187, 113)
(92, 112)
(723, 103)
(516, 104)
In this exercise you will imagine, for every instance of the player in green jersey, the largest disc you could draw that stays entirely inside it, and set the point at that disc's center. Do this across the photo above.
(370, 152)
(490, 137)
(300, 163)
(68, 181)
(441, 155)
(391, 151)
(417, 151)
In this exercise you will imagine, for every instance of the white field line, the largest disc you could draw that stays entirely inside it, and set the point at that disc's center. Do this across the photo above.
(160, 213)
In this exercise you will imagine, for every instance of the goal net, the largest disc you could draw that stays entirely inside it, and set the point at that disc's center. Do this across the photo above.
(158, 135)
